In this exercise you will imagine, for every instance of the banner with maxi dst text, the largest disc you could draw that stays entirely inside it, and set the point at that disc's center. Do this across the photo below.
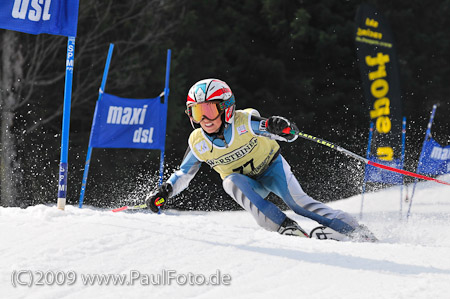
(380, 79)
(129, 123)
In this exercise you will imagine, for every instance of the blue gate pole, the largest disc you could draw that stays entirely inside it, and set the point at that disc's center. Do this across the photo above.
(403, 163)
(166, 103)
(63, 164)
(89, 152)
(365, 170)
(427, 135)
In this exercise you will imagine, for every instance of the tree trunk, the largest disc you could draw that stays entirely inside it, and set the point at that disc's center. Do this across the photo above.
(11, 72)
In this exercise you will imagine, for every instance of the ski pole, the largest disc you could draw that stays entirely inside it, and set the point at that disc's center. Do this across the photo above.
(358, 157)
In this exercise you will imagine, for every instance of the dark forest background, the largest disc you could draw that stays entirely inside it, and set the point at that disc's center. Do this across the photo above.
(291, 58)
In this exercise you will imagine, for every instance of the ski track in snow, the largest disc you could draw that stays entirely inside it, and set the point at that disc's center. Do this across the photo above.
(412, 259)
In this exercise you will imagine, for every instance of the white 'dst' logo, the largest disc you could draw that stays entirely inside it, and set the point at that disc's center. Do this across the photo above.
(38, 10)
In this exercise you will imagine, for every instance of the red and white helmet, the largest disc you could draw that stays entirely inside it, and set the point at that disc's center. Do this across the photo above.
(213, 90)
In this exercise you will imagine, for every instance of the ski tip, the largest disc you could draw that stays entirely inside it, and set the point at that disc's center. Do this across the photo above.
(119, 209)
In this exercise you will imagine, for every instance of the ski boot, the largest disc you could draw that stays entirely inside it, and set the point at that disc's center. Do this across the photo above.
(360, 234)
(291, 228)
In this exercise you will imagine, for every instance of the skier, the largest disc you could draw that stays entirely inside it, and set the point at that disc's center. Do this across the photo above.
(242, 147)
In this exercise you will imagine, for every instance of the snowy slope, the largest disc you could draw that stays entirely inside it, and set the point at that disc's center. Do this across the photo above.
(411, 261)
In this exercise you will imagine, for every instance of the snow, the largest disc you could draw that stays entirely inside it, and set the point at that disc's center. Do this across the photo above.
(412, 259)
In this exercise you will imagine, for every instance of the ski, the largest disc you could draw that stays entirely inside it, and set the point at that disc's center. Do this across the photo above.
(143, 206)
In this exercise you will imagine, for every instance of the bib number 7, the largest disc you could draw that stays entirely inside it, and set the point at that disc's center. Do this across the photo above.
(241, 168)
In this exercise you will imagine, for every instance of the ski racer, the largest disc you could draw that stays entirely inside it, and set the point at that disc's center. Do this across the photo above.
(242, 147)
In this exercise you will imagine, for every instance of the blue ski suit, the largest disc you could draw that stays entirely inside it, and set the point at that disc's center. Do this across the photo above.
(251, 166)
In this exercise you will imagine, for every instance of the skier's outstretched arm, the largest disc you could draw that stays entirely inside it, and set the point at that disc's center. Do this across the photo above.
(177, 182)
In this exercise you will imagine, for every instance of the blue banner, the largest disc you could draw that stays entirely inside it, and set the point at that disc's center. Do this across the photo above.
(59, 17)
(377, 175)
(129, 123)
(435, 159)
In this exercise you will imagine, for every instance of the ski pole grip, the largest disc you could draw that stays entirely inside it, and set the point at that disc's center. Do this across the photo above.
(287, 130)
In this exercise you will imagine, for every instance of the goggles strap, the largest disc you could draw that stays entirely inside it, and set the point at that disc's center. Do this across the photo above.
(227, 104)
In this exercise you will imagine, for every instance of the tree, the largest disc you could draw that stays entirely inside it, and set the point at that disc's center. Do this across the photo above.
(11, 73)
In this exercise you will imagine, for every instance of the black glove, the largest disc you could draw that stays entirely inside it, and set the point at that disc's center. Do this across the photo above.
(158, 198)
(276, 125)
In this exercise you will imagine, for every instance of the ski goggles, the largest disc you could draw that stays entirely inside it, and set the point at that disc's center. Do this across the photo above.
(208, 110)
